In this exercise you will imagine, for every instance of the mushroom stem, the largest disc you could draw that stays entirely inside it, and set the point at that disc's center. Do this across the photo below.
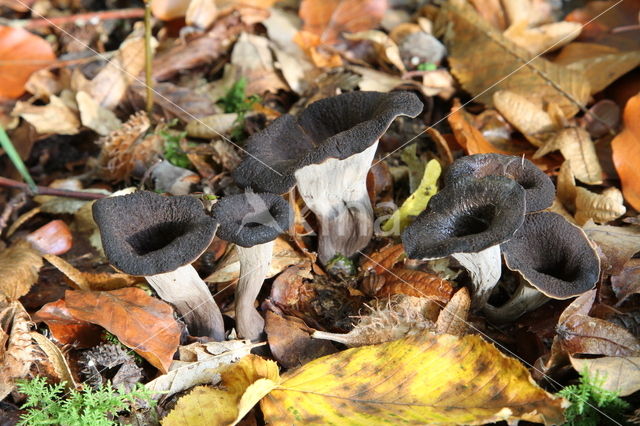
(254, 267)
(336, 191)
(334, 337)
(524, 299)
(485, 268)
(184, 289)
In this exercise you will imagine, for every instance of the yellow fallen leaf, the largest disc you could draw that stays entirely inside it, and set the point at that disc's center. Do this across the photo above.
(243, 385)
(425, 379)
(545, 38)
(19, 266)
(417, 201)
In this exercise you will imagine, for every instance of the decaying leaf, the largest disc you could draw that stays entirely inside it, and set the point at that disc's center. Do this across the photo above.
(55, 117)
(67, 329)
(57, 360)
(141, 322)
(484, 61)
(19, 267)
(576, 147)
(198, 365)
(628, 281)
(384, 259)
(626, 151)
(91, 280)
(617, 243)
(22, 54)
(453, 317)
(97, 118)
(17, 352)
(254, 61)
(422, 379)
(601, 208)
(468, 136)
(244, 384)
(524, 115)
(413, 282)
(618, 374)
(542, 39)
(416, 202)
(386, 48)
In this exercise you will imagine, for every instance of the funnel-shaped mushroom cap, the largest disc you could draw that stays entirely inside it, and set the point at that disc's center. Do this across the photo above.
(553, 255)
(540, 191)
(466, 217)
(249, 219)
(146, 234)
(336, 127)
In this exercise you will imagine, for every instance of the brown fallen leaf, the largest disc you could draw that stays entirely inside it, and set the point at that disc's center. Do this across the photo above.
(453, 317)
(57, 360)
(627, 282)
(618, 244)
(328, 19)
(384, 259)
(601, 208)
(19, 267)
(141, 322)
(416, 283)
(484, 61)
(66, 328)
(576, 146)
(468, 136)
(545, 38)
(601, 69)
(17, 351)
(96, 117)
(22, 54)
(385, 47)
(91, 280)
(55, 117)
(566, 186)
(619, 374)
(626, 152)
(254, 61)
(291, 343)
(533, 122)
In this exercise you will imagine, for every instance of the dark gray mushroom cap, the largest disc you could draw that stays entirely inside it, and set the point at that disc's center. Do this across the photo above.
(336, 127)
(466, 217)
(539, 190)
(146, 234)
(249, 219)
(553, 255)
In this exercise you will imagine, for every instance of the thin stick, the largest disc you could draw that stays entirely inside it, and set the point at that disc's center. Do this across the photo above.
(104, 15)
(148, 55)
(44, 190)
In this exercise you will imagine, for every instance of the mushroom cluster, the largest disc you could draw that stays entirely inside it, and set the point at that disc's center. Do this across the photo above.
(326, 151)
(491, 204)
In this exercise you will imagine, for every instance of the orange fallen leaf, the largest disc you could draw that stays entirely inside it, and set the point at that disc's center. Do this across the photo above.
(626, 151)
(141, 322)
(21, 54)
(468, 136)
(416, 283)
(383, 259)
(328, 18)
(65, 328)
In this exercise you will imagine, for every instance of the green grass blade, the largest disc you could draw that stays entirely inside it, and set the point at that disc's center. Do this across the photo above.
(8, 147)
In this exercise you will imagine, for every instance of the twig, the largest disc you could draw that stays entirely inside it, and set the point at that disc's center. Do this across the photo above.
(44, 190)
(148, 56)
(104, 15)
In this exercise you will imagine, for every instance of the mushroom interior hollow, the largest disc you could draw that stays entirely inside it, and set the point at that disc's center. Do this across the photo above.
(157, 236)
(473, 220)
(559, 267)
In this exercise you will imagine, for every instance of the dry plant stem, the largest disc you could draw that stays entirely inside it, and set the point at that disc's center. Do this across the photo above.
(254, 267)
(184, 289)
(334, 337)
(104, 15)
(44, 190)
(336, 191)
(525, 299)
(148, 55)
(485, 268)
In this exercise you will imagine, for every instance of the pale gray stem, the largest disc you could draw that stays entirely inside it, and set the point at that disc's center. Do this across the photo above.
(185, 290)
(334, 337)
(336, 191)
(485, 268)
(254, 267)
(525, 299)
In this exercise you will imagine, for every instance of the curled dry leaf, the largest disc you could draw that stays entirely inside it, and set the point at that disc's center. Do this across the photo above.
(534, 123)
(291, 343)
(397, 317)
(617, 244)
(243, 385)
(198, 365)
(57, 360)
(91, 280)
(384, 259)
(416, 283)
(19, 267)
(385, 47)
(628, 281)
(619, 374)
(141, 322)
(22, 54)
(468, 136)
(566, 186)
(422, 379)
(17, 352)
(55, 117)
(453, 317)
(576, 146)
(626, 151)
(601, 208)
(543, 39)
